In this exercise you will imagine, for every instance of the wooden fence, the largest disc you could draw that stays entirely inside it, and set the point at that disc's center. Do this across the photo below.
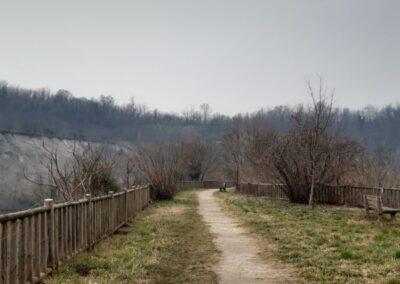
(263, 189)
(34, 242)
(186, 185)
(324, 194)
(327, 194)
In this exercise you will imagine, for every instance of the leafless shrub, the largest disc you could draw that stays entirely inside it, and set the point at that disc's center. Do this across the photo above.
(368, 171)
(199, 158)
(310, 154)
(89, 170)
(161, 166)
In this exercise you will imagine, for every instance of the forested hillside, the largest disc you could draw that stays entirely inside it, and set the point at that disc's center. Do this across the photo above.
(39, 112)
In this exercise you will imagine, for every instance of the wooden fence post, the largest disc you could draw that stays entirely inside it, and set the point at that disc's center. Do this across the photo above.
(126, 205)
(2, 253)
(50, 231)
(89, 217)
(80, 227)
(111, 212)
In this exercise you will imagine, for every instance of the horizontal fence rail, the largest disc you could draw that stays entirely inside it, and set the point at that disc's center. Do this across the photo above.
(35, 242)
(263, 189)
(328, 194)
(187, 185)
(324, 194)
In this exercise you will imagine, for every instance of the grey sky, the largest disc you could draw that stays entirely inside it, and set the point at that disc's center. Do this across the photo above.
(234, 55)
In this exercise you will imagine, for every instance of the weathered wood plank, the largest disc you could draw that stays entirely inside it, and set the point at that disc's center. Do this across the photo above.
(7, 247)
(21, 250)
(62, 234)
(33, 243)
(30, 248)
(57, 236)
(45, 243)
(70, 229)
(49, 203)
(12, 251)
(38, 237)
(1, 253)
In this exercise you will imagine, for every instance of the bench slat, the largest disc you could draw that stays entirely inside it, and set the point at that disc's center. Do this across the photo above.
(390, 210)
(375, 203)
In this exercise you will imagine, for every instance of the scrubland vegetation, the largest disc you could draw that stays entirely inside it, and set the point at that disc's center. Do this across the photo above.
(167, 243)
(90, 170)
(160, 165)
(40, 112)
(327, 245)
(306, 151)
(300, 147)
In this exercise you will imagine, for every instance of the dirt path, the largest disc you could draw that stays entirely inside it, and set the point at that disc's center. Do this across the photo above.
(240, 261)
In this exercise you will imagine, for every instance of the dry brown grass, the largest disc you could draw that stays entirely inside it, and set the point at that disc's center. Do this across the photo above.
(167, 243)
(327, 245)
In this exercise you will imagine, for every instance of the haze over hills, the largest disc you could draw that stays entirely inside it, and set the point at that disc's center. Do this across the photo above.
(60, 118)
(284, 112)
(39, 112)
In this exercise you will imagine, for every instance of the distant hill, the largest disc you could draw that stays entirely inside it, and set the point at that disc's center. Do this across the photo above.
(39, 113)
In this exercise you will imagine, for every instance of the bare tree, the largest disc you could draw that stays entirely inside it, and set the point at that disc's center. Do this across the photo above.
(313, 127)
(128, 172)
(206, 112)
(310, 154)
(235, 145)
(89, 170)
(200, 158)
(370, 170)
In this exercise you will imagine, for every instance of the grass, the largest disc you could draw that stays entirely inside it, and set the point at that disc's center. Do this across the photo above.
(167, 243)
(328, 244)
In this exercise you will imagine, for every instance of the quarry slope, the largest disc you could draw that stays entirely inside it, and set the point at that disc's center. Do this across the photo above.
(19, 152)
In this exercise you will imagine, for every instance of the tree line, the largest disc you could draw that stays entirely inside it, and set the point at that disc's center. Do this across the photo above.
(311, 151)
(39, 112)
(299, 146)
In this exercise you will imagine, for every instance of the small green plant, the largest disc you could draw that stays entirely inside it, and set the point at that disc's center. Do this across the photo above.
(347, 254)
(397, 254)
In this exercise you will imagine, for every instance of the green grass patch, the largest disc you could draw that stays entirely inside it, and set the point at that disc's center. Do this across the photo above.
(166, 243)
(327, 244)
(397, 254)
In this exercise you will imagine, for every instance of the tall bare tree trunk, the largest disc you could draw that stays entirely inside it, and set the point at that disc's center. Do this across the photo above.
(202, 176)
(238, 175)
(311, 197)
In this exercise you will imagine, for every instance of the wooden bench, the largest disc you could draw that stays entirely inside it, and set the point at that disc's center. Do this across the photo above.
(372, 202)
(223, 187)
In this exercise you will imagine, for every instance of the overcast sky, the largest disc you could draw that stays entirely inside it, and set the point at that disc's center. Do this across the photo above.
(237, 56)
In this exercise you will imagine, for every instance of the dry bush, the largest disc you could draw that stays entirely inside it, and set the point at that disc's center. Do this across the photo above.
(368, 172)
(310, 154)
(286, 158)
(161, 166)
(199, 158)
(89, 170)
